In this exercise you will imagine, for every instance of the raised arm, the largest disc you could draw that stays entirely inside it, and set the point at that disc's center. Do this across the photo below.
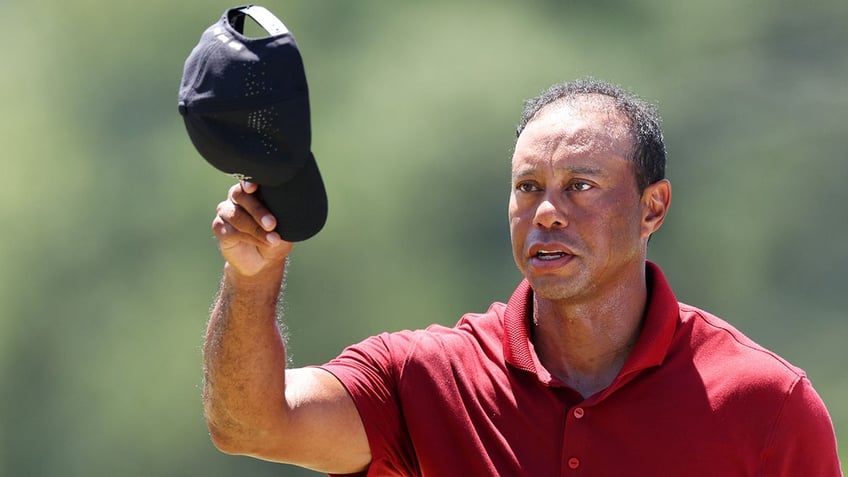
(253, 405)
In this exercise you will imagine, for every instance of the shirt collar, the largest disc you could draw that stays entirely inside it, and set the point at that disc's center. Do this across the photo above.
(651, 347)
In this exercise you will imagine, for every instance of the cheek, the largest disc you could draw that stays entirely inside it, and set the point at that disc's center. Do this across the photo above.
(515, 231)
(513, 214)
(624, 228)
(520, 216)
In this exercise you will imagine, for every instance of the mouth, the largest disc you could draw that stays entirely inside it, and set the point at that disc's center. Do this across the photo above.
(549, 255)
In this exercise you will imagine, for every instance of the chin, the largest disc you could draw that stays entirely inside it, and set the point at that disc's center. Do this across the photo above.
(554, 288)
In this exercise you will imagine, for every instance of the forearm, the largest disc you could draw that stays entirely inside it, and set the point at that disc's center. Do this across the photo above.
(244, 360)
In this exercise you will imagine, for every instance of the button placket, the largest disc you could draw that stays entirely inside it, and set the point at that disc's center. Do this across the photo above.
(574, 439)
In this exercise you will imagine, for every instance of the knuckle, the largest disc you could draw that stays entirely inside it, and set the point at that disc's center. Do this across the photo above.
(218, 225)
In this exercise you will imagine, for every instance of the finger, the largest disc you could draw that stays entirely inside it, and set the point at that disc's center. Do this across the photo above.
(229, 236)
(248, 186)
(242, 195)
(237, 216)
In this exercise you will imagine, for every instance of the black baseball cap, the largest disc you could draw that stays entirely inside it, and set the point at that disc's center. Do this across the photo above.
(245, 103)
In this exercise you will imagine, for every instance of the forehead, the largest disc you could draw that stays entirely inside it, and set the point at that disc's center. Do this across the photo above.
(585, 126)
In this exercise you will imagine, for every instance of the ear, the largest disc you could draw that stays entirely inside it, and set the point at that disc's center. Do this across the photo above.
(656, 200)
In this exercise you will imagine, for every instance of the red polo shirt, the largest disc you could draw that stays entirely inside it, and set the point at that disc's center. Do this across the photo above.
(695, 398)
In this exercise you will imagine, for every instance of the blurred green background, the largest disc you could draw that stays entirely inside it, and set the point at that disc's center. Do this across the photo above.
(109, 266)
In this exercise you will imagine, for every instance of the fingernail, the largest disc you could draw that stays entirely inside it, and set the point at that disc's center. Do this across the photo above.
(273, 238)
(268, 222)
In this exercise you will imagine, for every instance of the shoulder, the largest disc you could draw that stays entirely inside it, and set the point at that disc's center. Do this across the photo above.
(758, 390)
(737, 376)
(420, 366)
(393, 351)
(716, 342)
(474, 335)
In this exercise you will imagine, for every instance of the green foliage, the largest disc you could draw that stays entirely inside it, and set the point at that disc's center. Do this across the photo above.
(108, 265)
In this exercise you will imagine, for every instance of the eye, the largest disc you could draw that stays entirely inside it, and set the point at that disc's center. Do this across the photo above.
(579, 186)
(527, 187)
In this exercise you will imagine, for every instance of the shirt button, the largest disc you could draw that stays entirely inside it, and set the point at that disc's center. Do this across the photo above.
(578, 412)
(573, 463)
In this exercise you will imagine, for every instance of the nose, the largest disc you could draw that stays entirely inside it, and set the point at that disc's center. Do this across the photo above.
(549, 215)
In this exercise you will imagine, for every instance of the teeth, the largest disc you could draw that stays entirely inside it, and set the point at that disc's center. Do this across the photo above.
(549, 254)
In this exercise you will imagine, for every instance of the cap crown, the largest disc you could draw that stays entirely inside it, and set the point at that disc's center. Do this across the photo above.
(245, 100)
(245, 105)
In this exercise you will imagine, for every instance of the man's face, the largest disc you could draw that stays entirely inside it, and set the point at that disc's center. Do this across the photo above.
(574, 212)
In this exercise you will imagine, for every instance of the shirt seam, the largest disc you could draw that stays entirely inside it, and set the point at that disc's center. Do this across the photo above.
(706, 318)
(773, 431)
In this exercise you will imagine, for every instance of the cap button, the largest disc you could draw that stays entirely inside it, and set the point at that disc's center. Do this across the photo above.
(182, 107)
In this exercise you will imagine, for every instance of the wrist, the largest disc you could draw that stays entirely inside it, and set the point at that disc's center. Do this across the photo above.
(269, 278)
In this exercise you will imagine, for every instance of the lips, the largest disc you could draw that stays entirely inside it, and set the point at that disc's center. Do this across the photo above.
(549, 257)
(549, 254)
(549, 251)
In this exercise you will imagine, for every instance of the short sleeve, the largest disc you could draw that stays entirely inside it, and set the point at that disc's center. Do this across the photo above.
(369, 371)
(802, 441)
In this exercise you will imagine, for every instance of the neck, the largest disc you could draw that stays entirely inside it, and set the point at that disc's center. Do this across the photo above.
(585, 345)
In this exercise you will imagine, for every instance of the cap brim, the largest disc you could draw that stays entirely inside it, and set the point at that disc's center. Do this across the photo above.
(299, 204)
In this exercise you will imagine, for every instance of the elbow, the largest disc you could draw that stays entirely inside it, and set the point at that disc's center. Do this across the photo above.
(249, 434)
(228, 434)
(225, 441)
(241, 441)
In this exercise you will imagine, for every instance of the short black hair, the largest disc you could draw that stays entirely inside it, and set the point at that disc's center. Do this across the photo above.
(648, 153)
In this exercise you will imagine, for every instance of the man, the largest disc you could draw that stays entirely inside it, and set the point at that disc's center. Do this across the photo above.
(592, 367)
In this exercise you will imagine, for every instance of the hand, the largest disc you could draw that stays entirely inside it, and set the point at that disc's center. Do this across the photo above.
(244, 229)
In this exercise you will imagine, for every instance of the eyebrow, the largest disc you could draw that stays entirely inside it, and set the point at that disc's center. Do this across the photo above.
(583, 170)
